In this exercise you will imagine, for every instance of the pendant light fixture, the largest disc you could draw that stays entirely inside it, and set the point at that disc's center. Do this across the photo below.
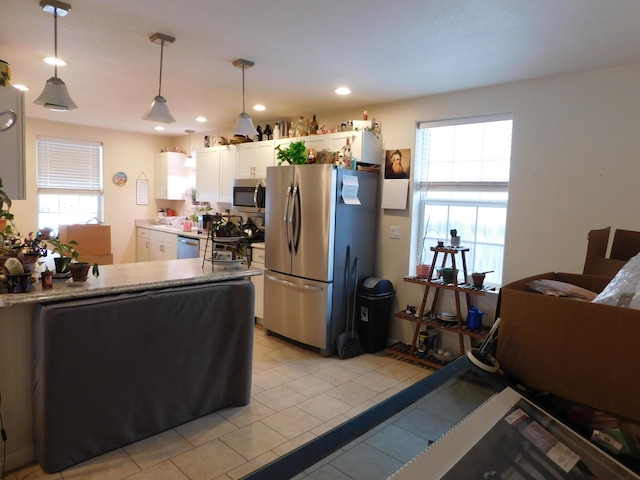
(244, 125)
(55, 95)
(189, 162)
(159, 110)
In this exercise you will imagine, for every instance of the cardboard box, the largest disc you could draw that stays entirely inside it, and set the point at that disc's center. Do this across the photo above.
(574, 349)
(100, 259)
(625, 244)
(92, 239)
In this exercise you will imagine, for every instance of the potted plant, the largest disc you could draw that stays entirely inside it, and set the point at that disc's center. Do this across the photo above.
(455, 239)
(30, 249)
(66, 251)
(423, 270)
(294, 154)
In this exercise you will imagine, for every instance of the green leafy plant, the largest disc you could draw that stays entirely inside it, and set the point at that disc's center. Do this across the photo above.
(34, 246)
(294, 154)
(453, 232)
(64, 249)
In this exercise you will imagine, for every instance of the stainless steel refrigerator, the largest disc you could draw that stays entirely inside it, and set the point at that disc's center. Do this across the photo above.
(312, 221)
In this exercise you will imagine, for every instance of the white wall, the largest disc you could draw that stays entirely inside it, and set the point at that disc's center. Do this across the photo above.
(575, 166)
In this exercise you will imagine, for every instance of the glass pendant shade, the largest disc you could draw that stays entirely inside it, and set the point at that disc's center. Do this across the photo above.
(189, 162)
(159, 111)
(55, 96)
(244, 124)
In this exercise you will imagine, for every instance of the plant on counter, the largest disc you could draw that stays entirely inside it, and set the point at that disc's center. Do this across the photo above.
(228, 228)
(197, 210)
(66, 251)
(294, 154)
(33, 246)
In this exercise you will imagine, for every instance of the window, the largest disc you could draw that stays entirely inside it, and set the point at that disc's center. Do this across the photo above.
(70, 182)
(463, 177)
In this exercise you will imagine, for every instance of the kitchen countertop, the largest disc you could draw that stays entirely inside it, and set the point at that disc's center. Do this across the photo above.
(132, 277)
(177, 230)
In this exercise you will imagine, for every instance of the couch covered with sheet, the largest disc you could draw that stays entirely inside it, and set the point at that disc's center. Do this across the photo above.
(112, 370)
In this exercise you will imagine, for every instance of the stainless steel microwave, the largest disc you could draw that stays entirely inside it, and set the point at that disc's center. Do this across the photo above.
(249, 194)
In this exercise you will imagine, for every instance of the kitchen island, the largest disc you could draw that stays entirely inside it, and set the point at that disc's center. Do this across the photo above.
(143, 347)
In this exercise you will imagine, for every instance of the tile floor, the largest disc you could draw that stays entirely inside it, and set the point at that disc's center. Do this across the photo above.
(297, 395)
(379, 453)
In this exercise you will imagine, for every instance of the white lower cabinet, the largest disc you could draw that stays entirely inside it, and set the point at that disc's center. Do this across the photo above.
(257, 261)
(162, 246)
(142, 244)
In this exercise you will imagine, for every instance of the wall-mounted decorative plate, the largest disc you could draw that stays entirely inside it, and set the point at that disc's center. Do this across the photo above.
(120, 178)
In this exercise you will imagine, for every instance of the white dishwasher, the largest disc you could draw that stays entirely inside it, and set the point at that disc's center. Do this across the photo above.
(257, 261)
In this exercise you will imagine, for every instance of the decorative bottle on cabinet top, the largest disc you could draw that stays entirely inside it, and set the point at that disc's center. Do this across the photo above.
(313, 126)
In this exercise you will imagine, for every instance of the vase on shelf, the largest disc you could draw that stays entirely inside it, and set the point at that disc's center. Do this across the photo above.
(423, 271)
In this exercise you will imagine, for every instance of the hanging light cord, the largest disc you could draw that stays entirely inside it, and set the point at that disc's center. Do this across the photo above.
(160, 81)
(55, 41)
(243, 109)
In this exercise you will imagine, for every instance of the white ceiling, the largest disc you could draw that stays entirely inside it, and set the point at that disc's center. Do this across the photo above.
(383, 50)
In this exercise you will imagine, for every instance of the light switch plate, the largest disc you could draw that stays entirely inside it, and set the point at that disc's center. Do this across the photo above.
(394, 232)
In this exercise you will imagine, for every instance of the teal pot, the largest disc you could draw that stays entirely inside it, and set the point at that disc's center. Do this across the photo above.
(448, 274)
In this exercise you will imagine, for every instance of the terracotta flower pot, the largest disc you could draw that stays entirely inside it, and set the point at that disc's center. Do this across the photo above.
(423, 271)
(79, 271)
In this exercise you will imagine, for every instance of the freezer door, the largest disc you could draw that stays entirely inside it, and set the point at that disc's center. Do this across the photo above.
(313, 222)
(298, 309)
(278, 206)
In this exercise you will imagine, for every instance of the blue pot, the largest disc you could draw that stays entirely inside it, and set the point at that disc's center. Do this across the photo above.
(474, 318)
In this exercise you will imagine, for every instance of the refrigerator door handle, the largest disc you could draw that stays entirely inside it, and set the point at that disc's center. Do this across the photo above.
(287, 216)
(286, 283)
(296, 218)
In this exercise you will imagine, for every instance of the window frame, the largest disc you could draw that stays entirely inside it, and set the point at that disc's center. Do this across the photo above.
(58, 161)
(423, 185)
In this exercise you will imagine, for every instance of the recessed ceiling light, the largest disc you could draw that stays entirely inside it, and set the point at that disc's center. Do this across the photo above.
(55, 61)
(259, 108)
(159, 128)
(342, 91)
(22, 88)
(201, 119)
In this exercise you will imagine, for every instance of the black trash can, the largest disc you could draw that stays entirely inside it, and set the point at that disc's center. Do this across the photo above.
(373, 312)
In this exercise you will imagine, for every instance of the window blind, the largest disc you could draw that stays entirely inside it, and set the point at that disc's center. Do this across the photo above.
(70, 165)
(465, 153)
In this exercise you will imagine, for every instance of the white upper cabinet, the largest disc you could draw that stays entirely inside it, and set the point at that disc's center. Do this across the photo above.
(254, 158)
(216, 168)
(171, 177)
